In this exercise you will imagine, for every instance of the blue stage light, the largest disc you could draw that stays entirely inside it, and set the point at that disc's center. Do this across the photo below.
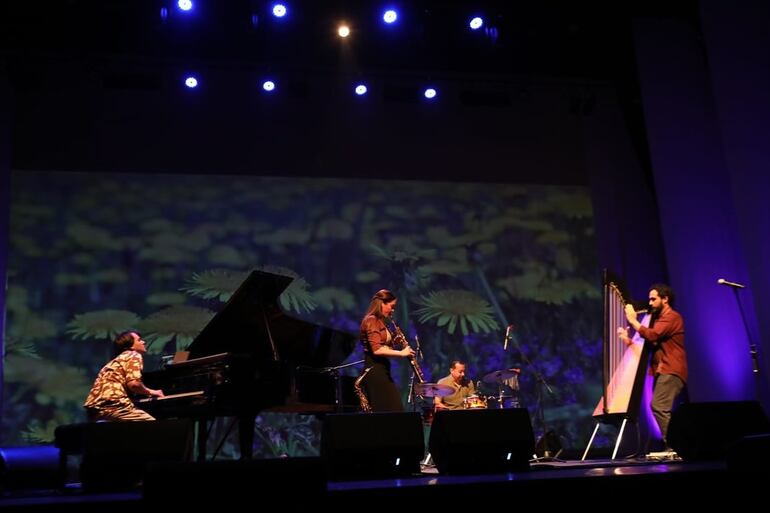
(185, 5)
(476, 23)
(430, 93)
(361, 89)
(389, 16)
(191, 82)
(268, 85)
(279, 10)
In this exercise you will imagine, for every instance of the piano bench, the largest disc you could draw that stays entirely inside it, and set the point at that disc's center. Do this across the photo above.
(70, 439)
(114, 454)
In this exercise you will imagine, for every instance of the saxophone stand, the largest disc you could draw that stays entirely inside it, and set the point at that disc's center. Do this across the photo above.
(335, 372)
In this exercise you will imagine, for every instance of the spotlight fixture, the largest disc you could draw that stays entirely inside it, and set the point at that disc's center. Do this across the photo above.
(185, 5)
(389, 16)
(430, 93)
(343, 30)
(476, 23)
(279, 10)
(191, 82)
(361, 89)
(268, 85)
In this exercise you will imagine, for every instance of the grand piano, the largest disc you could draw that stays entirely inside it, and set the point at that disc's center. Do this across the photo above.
(253, 357)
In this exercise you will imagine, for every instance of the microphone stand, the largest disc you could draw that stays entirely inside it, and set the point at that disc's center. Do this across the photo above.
(540, 411)
(752, 346)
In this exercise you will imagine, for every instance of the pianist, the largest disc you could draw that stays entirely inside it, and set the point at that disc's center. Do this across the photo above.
(109, 397)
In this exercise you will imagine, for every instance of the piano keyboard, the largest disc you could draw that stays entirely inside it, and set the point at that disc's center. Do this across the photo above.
(170, 396)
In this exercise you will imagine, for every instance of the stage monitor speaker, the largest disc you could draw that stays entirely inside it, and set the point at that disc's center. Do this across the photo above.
(27, 468)
(481, 441)
(706, 431)
(372, 445)
(115, 454)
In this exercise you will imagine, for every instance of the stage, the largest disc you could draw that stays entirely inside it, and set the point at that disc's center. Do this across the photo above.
(301, 482)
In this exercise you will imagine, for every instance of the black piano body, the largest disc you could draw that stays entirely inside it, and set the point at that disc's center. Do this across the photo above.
(253, 357)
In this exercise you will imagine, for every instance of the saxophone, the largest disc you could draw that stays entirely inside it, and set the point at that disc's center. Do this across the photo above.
(365, 406)
(400, 341)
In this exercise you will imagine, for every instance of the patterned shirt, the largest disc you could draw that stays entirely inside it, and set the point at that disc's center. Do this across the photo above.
(110, 390)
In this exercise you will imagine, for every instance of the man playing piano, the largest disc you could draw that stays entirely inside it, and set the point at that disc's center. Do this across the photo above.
(109, 397)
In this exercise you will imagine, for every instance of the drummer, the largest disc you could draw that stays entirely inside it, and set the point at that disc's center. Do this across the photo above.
(462, 387)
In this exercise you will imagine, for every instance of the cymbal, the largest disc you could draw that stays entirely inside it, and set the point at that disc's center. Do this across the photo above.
(501, 375)
(432, 390)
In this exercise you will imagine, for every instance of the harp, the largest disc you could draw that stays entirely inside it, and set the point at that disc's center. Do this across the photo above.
(623, 368)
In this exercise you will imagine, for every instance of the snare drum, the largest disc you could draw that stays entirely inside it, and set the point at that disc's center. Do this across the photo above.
(474, 402)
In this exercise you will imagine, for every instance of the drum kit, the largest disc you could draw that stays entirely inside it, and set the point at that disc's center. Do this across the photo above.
(476, 401)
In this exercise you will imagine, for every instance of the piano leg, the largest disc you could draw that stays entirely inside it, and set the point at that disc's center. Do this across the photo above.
(246, 423)
(203, 437)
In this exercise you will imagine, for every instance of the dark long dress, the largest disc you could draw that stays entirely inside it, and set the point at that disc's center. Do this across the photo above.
(378, 385)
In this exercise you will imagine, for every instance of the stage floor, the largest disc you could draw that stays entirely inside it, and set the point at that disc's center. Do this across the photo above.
(553, 480)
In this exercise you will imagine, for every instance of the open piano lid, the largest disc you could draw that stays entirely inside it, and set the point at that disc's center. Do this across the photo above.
(253, 323)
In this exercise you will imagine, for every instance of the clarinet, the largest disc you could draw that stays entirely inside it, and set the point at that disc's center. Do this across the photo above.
(399, 340)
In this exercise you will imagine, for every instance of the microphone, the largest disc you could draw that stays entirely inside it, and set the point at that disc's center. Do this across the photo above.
(507, 336)
(722, 281)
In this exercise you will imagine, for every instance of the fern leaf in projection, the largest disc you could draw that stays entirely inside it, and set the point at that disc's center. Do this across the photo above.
(296, 297)
(285, 434)
(181, 323)
(453, 308)
(53, 383)
(215, 284)
(102, 324)
(37, 432)
(333, 298)
(93, 238)
(166, 299)
(539, 284)
(221, 284)
(19, 347)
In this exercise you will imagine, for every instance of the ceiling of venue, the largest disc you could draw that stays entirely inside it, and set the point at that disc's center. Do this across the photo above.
(548, 38)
